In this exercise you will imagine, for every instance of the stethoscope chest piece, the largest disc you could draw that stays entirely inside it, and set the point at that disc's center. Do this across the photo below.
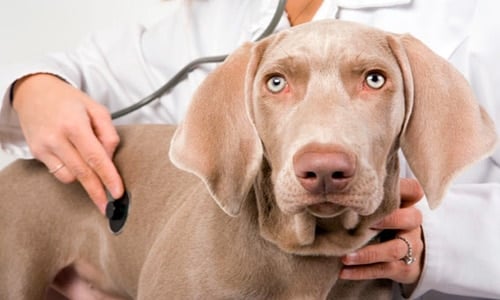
(117, 212)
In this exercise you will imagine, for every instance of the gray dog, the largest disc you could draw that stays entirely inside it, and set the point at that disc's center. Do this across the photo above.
(287, 155)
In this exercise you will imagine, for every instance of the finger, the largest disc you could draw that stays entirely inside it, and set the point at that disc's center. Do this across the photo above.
(411, 191)
(54, 165)
(392, 250)
(75, 169)
(375, 271)
(384, 260)
(108, 139)
(102, 126)
(96, 157)
(397, 271)
(58, 168)
(402, 219)
(82, 172)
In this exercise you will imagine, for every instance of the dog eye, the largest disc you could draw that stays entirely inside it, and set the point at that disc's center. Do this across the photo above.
(276, 84)
(375, 80)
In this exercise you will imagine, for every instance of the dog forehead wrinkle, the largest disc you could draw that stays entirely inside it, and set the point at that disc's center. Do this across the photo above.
(298, 43)
(281, 56)
(366, 45)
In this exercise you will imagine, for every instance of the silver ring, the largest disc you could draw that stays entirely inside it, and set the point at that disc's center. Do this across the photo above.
(57, 168)
(408, 258)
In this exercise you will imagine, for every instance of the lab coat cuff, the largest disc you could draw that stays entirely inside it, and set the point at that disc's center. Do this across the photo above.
(12, 139)
(431, 269)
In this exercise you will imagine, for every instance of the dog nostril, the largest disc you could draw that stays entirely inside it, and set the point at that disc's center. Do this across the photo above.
(339, 175)
(310, 175)
(324, 171)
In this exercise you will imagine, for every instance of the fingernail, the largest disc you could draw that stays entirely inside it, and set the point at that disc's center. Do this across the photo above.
(350, 258)
(116, 192)
(102, 207)
(378, 225)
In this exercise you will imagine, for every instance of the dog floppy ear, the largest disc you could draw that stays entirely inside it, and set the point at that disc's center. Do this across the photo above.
(445, 129)
(217, 141)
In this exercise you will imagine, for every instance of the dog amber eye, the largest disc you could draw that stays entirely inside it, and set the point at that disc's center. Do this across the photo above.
(276, 84)
(375, 80)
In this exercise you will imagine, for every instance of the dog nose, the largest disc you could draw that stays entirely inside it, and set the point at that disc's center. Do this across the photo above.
(323, 172)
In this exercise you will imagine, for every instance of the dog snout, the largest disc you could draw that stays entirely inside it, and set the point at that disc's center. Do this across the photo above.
(324, 171)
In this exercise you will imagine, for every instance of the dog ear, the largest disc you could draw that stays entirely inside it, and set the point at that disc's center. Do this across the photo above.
(445, 129)
(217, 140)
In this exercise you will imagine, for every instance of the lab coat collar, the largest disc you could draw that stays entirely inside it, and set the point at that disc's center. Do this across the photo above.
(358, 4)
(330, 8)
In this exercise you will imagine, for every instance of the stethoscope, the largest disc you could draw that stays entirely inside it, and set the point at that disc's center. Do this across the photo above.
(181, 74)
(117, 209)
(495, 161)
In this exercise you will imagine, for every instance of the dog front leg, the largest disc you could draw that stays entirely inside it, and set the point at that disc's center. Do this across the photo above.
(23, 281)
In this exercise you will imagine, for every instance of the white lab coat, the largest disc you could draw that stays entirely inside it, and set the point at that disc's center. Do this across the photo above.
(119, 66)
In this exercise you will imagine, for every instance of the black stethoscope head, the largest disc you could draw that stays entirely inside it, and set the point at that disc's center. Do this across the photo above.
(117, 212)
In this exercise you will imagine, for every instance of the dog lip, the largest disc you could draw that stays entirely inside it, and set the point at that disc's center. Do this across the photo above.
(326, 210)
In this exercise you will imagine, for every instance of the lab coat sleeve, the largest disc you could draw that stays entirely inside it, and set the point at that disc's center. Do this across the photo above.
(462, 236)
(461, 239)
(119, 66)
(96, 67)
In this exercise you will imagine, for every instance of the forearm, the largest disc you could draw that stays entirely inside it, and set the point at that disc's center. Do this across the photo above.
(91, 68)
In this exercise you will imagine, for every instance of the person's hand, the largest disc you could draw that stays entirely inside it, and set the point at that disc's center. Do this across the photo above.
(384, 260)
(70, 133)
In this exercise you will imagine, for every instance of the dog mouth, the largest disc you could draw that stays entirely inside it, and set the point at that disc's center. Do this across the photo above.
(331, 217)
(326, 210)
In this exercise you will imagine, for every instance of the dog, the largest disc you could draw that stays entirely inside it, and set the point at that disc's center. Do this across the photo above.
(286, 157)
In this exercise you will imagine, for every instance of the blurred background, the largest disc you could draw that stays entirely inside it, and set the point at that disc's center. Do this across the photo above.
(31, 28)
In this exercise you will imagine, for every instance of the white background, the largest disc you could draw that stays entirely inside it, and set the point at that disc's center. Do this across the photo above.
(31, 28)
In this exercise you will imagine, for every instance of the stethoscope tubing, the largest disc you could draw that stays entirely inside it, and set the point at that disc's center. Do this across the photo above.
(182, 73)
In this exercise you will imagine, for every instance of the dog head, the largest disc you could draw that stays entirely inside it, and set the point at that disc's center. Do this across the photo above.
(312, 119)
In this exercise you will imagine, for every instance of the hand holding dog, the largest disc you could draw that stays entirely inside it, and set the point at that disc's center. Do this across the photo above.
(384, 260)
(70, 133)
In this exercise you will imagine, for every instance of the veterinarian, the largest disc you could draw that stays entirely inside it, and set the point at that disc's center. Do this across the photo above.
(59, 112)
